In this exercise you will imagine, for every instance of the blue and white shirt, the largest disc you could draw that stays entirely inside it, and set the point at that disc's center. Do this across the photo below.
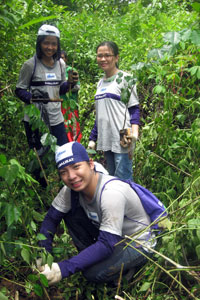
(110, 112)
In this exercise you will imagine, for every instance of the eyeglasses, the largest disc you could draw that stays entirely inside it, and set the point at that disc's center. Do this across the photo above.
(99, 56)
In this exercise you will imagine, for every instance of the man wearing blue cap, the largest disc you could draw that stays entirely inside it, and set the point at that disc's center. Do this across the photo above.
(99, 211)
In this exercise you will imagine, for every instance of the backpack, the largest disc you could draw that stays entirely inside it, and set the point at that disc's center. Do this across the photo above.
(152, 205)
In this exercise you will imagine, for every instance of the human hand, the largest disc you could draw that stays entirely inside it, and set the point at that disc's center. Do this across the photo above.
(92, 145)
(73, 76)
(38, 96)
(52, 274)
(133, 137)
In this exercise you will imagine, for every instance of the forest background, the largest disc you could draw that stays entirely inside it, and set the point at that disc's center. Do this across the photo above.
(159, 44)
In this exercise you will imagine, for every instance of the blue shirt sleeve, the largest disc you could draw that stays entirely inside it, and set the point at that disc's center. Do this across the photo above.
(49, 226)
(94, 133)
(134, 112)
(23, 95)
(65, 86)
(93, 254)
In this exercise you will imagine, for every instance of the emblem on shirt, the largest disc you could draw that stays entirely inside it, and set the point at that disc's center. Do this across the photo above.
(103, 89)
(93, 216)
(50, 76)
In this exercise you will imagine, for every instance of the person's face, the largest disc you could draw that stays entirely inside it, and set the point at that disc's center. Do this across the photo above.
(78, 176)
(106, 59)
(63, 57)
(49, 46)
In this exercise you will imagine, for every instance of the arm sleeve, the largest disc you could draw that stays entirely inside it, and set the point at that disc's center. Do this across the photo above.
(64, 88)
(23, 95)
(23, 83)
(94, 133)
(134, 112)
(49, 226)
(93, 254)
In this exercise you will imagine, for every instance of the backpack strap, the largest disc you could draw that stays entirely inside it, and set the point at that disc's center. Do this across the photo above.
(74, 201)
(34, 68)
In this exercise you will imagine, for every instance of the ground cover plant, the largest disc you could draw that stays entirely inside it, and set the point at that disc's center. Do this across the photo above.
(159, 45)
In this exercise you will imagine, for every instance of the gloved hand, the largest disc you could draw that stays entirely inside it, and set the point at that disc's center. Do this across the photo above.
(133, 137)
(92, 145)
(127, 138)
(52, 274)
(37, 94)
(35, 267)
(73, 76)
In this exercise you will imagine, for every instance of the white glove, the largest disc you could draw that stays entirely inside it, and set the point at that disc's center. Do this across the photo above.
(37, 266)
(92, 145)
(134, 137)
(52, 274)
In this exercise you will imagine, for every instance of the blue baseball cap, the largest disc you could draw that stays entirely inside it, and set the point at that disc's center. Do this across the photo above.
(69, 154)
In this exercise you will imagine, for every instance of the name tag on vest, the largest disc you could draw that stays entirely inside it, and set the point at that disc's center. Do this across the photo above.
(93, 216)
(50, 76)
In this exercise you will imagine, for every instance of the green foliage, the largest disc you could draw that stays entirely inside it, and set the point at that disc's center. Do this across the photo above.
(159, 45)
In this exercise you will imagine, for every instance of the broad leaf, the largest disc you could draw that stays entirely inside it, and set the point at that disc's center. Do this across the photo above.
(195, 37)
(12, 214)
(172, 37)
(26, 255)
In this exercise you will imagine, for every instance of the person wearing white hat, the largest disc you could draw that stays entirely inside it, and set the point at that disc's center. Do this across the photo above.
(99, 211)
(43, 77)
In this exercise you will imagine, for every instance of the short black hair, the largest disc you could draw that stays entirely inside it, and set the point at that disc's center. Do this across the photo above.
(39, 53)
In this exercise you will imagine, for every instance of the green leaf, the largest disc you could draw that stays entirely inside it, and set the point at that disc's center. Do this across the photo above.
(195, 37)
(198, 251)
(38, 290)
(172, 37)
(166, 223)
(49, 260)
(38, 20)
(48, 139)
(44, 280)
(37, 216)
(26, 255)
(72, 105)
(196, 6)
(145, 286)
(91, 151)
(9, 173)
(58, 250)
(41, 237)
(32, 277)
(12, 214)
(3, 159)
(3, 297)
(159, 89)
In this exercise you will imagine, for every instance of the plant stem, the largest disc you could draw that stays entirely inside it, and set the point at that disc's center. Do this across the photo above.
(171, 164)
(168, 273)
(120, 278)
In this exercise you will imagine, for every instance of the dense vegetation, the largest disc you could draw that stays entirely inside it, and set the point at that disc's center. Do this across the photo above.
(159, 44)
